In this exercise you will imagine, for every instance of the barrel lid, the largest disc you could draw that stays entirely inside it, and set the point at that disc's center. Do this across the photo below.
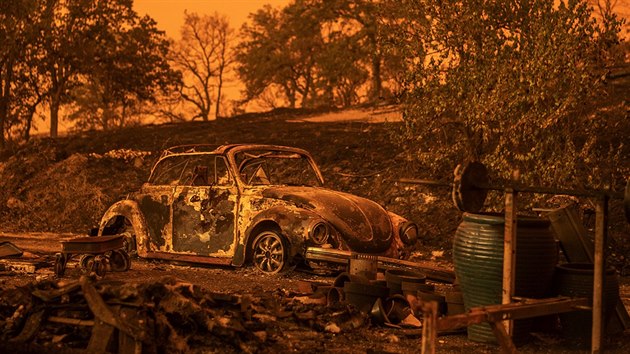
(499, 219)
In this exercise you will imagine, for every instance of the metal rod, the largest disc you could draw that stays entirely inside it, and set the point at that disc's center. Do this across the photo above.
(524, 189)
(427, 182)
(601, 225)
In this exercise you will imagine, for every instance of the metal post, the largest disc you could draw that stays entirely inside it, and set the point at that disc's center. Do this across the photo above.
(601, 227)
(509, 252)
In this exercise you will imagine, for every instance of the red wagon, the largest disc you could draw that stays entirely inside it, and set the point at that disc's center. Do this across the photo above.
(96, 253)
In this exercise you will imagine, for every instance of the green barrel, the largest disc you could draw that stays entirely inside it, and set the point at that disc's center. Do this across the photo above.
(478, 259)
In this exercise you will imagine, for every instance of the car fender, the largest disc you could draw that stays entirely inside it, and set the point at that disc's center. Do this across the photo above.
(293, 223)
(131, 211)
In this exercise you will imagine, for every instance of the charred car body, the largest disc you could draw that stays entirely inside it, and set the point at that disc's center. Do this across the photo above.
(241, 204)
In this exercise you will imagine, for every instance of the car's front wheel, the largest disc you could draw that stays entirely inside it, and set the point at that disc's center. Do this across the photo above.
(269, 252)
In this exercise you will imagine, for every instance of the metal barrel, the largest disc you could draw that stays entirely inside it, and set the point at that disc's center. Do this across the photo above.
(478, 260)
(576, 280)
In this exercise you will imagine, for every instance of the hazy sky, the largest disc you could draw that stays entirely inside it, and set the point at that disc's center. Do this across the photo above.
(169, 14)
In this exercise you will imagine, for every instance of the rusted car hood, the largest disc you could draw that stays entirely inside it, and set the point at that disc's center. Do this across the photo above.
(364, 225)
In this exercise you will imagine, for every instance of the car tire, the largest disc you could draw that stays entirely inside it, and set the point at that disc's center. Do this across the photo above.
(269, 252)
(119, 261)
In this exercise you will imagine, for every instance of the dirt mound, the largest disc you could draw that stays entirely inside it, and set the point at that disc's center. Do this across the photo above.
(48, 191)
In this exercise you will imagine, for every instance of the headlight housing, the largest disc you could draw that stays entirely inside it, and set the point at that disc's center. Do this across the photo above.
(408, 233)
(319, 232)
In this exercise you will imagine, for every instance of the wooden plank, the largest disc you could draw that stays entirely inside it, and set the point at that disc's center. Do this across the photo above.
(601, 226)
(504, 339)
(509, 252)
(429, 327)
(528, 309)
(573, 236)
(537, 309)
(30, 328)
(70, 321)
(494, 315)
(102, 333)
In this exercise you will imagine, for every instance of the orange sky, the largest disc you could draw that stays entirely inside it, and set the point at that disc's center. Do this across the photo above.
(169, 14)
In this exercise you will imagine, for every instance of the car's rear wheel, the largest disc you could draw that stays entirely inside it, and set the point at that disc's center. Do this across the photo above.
(269, 252)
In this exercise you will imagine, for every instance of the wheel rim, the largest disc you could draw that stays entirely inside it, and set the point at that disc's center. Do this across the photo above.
(98, 266)
(269, 253)
(118, 261)
(85, 262)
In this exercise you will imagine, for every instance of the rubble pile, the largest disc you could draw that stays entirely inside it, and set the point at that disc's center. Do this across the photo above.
(167, 315)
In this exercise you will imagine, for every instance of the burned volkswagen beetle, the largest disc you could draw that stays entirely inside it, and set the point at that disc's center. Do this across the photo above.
(243, 204)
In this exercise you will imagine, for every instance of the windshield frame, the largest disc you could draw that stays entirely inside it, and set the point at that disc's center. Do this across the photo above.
(273, 149)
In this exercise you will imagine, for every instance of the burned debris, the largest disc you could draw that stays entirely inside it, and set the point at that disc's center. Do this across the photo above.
(166, 315)
(14, 260)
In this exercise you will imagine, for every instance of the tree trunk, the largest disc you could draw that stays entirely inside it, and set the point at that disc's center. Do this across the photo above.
(54, 114)
(372, 33)
(29, 122)
(5, 93)
(220, 85)
(307, 88)
(107, 116)
(3, 118)
(376, 77)
(290, 93)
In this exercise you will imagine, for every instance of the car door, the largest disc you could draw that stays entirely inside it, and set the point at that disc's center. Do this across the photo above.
(155, 201)
(204, 207)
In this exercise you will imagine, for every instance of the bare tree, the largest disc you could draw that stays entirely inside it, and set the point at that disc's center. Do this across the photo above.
(204, 56)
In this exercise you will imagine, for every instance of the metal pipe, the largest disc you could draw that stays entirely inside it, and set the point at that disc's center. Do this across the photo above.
(524, 189)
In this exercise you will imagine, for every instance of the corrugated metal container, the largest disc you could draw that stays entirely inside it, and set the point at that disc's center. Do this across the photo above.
(478, 259)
